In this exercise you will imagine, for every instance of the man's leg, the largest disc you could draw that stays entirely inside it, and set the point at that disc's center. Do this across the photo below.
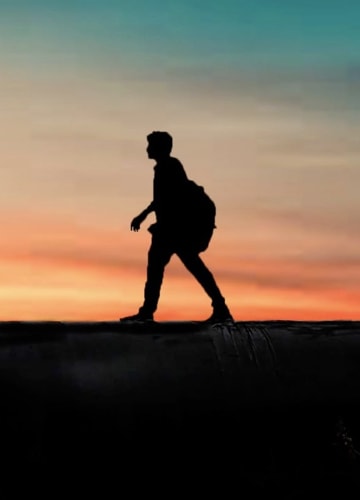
(196, 266)
(158, 257)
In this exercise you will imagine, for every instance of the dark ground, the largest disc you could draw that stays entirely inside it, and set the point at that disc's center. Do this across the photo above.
(268, 408)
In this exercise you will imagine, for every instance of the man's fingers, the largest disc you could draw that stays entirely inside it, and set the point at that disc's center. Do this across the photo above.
(135, 224)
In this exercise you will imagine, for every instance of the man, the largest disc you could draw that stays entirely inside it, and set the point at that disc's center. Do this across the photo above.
(169, 235)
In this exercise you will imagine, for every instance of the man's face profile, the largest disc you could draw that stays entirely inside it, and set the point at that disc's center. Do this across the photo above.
(150, 150)
(153, 151)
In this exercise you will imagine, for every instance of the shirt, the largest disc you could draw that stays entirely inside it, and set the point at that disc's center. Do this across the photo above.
(169, 185)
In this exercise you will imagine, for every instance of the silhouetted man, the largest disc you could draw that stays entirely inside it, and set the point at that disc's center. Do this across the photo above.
(169, 234)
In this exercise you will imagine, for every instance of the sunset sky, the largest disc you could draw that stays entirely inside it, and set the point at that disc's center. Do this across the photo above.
(262, 98)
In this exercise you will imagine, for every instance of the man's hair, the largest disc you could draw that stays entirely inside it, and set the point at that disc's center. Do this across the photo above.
(162, 141)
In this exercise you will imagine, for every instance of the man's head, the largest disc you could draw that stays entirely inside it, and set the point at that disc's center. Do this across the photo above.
(160, 145)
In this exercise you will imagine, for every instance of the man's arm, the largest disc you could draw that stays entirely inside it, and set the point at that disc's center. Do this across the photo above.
(139, 219)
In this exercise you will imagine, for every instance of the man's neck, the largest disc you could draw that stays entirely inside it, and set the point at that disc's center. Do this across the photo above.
(162, 158)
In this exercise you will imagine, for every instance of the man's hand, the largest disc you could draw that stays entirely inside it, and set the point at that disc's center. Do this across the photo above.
(136, 222)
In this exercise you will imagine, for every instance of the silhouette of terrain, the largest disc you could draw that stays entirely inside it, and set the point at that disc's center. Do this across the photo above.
(271, 405)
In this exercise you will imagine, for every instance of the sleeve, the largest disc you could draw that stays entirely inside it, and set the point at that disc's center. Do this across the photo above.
(177, 191)
(177, 179)
(150, 208)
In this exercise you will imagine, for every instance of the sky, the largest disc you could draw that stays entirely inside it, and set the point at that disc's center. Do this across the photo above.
(262, 98)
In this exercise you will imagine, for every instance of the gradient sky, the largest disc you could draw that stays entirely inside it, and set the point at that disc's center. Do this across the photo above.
(262, 98)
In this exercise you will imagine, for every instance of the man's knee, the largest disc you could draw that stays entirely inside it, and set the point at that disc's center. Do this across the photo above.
(191, 260)
(158, 256)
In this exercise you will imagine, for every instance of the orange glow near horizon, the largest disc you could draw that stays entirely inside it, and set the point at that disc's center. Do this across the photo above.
(63, 289)
(64, 271)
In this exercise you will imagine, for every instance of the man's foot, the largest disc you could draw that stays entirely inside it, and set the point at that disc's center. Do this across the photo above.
(138, 318)
(222, 315)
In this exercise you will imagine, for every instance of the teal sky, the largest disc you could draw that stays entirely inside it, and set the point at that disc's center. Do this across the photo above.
(260, 34)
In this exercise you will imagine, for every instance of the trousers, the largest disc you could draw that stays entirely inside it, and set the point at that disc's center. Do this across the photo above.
(159, 255)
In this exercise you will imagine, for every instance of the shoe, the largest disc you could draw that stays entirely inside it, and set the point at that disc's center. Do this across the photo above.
(138, 318)
(220, 316)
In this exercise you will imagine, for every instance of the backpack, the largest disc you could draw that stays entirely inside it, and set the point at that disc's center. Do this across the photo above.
(199, 216)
